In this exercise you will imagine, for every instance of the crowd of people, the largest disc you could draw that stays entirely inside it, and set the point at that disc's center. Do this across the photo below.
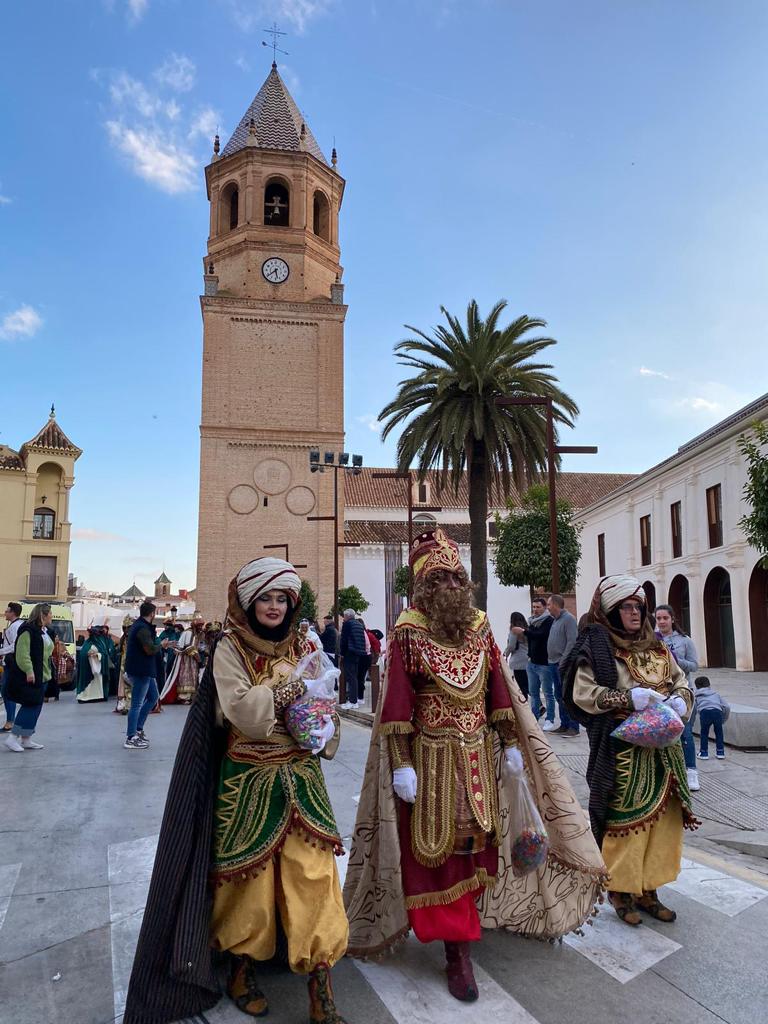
(245, 869)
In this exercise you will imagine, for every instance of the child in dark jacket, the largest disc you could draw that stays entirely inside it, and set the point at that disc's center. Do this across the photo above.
(712, 711)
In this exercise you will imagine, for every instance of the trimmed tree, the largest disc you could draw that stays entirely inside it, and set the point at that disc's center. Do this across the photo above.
(521, 550)
(308, 601)
(350, 597)
(401, 581)
(754, 448)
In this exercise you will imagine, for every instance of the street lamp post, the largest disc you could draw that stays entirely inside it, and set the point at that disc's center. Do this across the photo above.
(409, 505)
(553, 450)
(316, 466)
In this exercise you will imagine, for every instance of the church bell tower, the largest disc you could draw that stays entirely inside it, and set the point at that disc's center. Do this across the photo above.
(273, 349)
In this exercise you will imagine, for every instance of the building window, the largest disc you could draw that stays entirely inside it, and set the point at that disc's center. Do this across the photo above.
(715, 516)
(645, 540)
(276, 205)
(493, 530)
(42, 576)
(321, 216)
(601, 554)
(424, 519)
(676, 518)
(43, 524)
(422, 494)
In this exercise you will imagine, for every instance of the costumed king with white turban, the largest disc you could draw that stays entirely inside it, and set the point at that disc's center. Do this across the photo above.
(639, 800)
(432, 848)
(248, 832)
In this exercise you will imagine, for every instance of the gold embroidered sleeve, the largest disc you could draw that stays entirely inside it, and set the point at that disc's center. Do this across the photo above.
(287, 693)
(614, 700)
(400, 749)
(504, 722)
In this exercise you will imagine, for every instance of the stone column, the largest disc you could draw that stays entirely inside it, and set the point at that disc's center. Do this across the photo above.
(696, 599)
(742, 632)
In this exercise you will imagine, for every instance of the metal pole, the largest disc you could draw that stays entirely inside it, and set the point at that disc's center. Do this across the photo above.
(551, 452)
(409, 499)
(336, 546)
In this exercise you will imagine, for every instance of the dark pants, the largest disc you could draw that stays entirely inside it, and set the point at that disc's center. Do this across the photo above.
(363, 664)
(689, 747)
(714, 717)
(26, 719)
(565, 719)
(521, 678)
(350, 676)
(10, 706)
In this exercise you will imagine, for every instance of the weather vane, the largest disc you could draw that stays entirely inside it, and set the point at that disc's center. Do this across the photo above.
(274, 32)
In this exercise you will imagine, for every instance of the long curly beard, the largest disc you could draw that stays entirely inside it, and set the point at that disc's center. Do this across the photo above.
(450, 613)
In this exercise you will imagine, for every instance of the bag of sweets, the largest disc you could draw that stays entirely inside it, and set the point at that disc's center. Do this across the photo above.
(530, 844)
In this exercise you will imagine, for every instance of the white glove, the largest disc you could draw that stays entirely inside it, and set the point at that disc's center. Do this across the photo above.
(324, 733)
(404, 783)
(678, 704)
(642, 696)
(513, 762)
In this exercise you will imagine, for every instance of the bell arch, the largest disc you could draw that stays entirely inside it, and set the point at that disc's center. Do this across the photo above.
(718, 620)
(758, 617)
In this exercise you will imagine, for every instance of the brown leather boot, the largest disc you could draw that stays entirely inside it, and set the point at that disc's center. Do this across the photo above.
(322, 1007)
(458, 967)
(244, 990)
(649, 902)
(624, 905)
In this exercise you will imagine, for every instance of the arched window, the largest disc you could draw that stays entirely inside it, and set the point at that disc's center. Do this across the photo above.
(424, 519)
(229, 208)
(321, 216)
(277, 205)
(44, 523)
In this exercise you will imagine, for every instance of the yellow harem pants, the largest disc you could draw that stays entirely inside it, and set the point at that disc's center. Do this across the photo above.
(302, 883)
(644, 860)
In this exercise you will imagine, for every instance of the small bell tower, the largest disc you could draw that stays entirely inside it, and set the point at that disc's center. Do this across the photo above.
(273, 346)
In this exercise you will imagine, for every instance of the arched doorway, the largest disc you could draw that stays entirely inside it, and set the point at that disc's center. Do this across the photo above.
(650, 595)
(718, 620)
(680, 599)
(758, 617)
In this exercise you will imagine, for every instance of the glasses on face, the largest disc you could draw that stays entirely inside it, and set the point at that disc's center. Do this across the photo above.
(629, 606)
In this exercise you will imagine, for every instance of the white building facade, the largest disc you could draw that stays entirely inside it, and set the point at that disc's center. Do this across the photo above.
(676, 527)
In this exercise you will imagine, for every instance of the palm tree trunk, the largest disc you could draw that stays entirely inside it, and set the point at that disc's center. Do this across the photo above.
(478, 517)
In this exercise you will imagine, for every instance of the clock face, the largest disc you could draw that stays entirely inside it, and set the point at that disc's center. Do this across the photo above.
(275, 270)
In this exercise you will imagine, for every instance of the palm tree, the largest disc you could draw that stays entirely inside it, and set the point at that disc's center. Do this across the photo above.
(453, 421)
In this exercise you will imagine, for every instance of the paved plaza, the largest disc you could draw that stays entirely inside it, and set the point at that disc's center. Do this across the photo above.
(80, 823)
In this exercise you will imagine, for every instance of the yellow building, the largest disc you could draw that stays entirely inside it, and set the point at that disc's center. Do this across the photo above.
(34, 516)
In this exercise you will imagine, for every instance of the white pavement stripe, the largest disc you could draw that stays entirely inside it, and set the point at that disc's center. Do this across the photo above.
(619, 950)
(716, 890)
(9, 875)
(130, 868)
(411, 984)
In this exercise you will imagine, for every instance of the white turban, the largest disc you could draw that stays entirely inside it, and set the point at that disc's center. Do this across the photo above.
(615, 589)
(263, 574)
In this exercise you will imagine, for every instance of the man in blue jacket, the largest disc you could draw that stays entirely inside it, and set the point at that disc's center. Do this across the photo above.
(352, 648)
(141, 669)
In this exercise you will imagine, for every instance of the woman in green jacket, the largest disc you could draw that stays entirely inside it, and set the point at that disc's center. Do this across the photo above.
(30, 670)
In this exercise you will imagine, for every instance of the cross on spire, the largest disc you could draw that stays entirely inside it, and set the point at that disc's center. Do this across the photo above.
(274, 32)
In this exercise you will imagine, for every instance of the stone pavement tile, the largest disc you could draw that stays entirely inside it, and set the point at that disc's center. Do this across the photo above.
(81, 995)
(720, 963)
(619, 950)
(9, 876)
(747, 781)
(34, 923)
(715, 889)
(559, 986)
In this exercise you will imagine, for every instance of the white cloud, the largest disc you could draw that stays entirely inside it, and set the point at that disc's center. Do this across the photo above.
(156, 159)
(137, 9)
(204, 123)
(646, 372)
(177, 73)
(249, 15)
(85, 533)
(24, 322)
(370, 421)
(130, 92)
(5, 200)
(696, 403)
(243, 64)
(172, 110)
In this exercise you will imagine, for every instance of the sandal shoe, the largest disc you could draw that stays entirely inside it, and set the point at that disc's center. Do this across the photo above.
(322, 1006)
(624, 905)
(461, 977)
(244, 990)
(649, 902)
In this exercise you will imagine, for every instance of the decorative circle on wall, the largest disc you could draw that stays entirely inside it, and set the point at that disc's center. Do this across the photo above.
(300, 501)
(243, 499)
(272, 476)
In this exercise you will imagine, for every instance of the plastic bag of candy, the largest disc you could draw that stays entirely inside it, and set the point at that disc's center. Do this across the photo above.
(308, 718)
(530, 844)
(658, 726)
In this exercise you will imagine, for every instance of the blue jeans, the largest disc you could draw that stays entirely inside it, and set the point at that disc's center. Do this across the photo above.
(26, 719)
(689, 747)
(538, 676)
(565, 719)
(351, 666)
(144, 696)
(707, 717)
(10, 707)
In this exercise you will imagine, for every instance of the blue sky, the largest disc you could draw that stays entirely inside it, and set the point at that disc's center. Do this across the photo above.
(600, 164)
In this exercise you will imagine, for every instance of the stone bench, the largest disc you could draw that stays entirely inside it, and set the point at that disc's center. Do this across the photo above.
(746, 728)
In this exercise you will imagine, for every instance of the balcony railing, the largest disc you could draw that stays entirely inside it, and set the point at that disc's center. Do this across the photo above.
(42, 585)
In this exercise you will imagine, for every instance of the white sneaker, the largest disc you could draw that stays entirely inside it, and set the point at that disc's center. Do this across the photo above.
(29, 744)
(693, 780)
(548, 727)
(14, 743)
(353, 705)
(345, 706)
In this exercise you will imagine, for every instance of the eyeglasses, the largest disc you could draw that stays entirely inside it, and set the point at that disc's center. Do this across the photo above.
(629, 606)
